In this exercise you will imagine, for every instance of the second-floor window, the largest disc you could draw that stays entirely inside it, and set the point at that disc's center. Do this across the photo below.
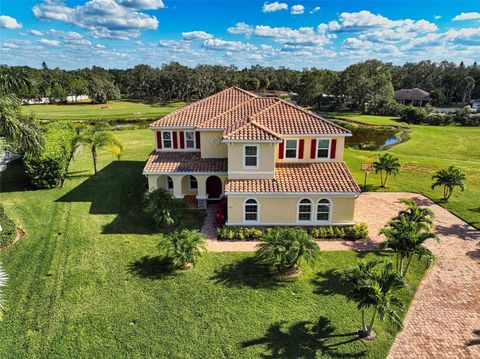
(250, 156)
(189, 139)
(167, 139)
(323, 148)
(291, 148)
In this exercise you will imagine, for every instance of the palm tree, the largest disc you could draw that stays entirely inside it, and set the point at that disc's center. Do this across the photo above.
(387, 164)
(376, 291)
(183, 247)
(99, 136)
(163, 208)
(17, 132)
(3, 284)
(284, 247)
(449, 178)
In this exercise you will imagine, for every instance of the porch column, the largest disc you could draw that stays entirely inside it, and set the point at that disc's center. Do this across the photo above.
(152, 182)
(202, 191)
(177, 186)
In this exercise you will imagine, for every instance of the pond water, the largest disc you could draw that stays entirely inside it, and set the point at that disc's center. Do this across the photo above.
(371, 138)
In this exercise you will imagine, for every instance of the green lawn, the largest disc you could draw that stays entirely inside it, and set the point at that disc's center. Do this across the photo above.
(87, 282)
(113, 110)
(429, 149)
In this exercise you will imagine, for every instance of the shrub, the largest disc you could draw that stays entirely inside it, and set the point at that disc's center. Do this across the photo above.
(165, 210)
(414, 115)
(385, 107)
(221, 212)
(183, 247)
(9, 230)
(49, 168)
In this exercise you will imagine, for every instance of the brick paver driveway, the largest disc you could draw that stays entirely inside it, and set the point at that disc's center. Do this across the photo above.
(444, 318)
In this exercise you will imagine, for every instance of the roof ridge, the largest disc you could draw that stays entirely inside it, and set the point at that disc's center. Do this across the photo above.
(276, 102)
(264, 128)
(245, 91)
(229, 110)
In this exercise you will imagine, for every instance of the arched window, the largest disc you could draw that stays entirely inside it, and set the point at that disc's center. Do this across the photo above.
(169, 183)
(323, 210)
(192, 183)
(305, 210)
(251, 210)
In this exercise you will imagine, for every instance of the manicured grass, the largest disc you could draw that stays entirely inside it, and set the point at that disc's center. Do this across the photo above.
(429, 149)
(87, 282)
(113, 110)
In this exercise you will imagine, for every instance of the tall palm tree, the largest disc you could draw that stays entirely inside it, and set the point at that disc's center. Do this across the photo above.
(387, 165)
(284, 247)
(3, 284)
(17, 132)
(449, 178)
(99, 136)
(183, 247)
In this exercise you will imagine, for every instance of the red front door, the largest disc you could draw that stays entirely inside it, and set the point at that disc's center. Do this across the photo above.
(214, 187)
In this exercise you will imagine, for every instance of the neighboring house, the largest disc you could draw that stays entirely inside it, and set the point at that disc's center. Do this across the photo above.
(415, 97)
(475, 105)
(277, 163)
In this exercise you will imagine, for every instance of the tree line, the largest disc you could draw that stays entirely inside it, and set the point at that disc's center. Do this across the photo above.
(366, 82)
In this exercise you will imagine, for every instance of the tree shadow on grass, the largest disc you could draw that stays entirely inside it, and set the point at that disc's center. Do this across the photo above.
(304, 340)
(329, 282)
(247, 272)
(476, 341)
(152, 267)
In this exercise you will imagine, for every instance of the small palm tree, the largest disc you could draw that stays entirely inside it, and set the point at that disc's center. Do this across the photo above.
(386, 165)
(449, 178)
(99, 136)
(163, 208)
(376, 291)
(183, 247)
(284, 247)
(3, 284)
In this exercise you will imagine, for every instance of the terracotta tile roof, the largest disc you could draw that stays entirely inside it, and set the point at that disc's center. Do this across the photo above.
(203, 110)
(319, 177)
(250, 131)
(184, 162)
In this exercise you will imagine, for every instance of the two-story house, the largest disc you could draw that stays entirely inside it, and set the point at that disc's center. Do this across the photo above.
(277, 163)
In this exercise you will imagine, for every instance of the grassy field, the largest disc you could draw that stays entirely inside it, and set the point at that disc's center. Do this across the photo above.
(87, 282)
(429, 149)
(113, 110)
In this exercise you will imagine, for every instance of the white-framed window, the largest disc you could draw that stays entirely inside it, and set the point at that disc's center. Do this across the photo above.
(304, 210)
(250, 211)
(192, 182)
(323, 148)
(169, 183)
(323, 210)
(250, 156)
(291, 148)
(167, 139)
(189, 139)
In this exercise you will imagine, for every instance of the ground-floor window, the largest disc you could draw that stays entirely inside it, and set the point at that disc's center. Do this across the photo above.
(193, 183)
(251, 210)
(305, 210)
(169, 183)
(323, 210)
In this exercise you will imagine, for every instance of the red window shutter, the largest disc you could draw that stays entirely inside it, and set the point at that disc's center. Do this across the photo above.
(175, 142)
(300, 150)
(313, 148)
(281, 149)
(333, 148)
(197, 139)
(159, 139)
(182, 141)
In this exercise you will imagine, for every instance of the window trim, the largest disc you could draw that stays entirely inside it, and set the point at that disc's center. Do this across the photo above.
(245, 221)
(245, 156)
(193, 139)
(297, 141)
(330, 211)
(171, 140)
(190, 183)
(298, 210)
(329, 148)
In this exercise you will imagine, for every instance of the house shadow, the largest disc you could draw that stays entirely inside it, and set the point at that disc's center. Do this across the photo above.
(117, 189)
(248, 272)
(304, 340)
(152, 267)
(14, 179)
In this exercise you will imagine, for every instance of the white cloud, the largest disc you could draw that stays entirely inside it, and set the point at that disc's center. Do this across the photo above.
(437, 17)
(54, 43)
(315, 9)
(224, 45)
(8, 22)
(274, 6)
(36, 33)
(142, 4)
(67, 35)
(104, 18)
(241, 28)
(196, 35)
(297, 9)
(467, 16)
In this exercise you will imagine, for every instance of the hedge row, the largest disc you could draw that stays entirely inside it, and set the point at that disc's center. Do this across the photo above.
(48, 169)
(419, 115)
(9, 230)
(357, 231)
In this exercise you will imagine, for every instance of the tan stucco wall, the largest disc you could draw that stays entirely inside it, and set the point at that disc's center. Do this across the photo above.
(180, 184)
(276, 210)
(208, 150)
(266, 163)
(178, 149)
(306, 152)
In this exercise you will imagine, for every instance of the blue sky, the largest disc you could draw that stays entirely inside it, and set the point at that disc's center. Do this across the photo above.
(297, 34)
